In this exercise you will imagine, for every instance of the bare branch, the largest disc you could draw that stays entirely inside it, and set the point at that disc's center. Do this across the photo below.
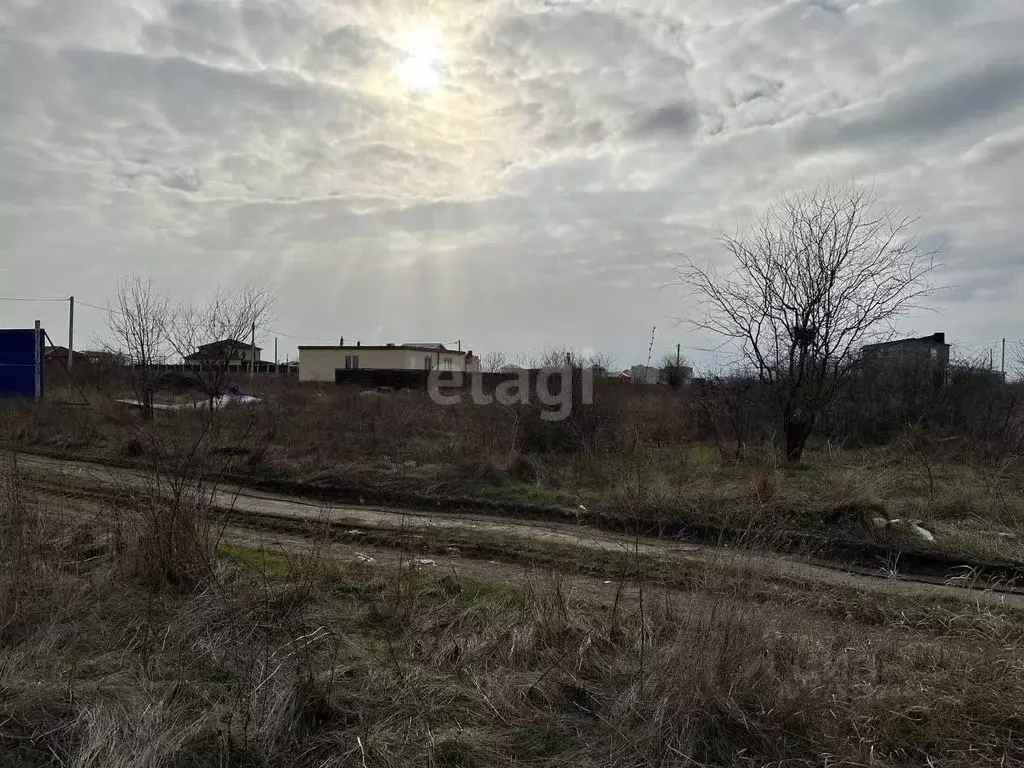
(816, 277)
(214, 335)
(139, 319)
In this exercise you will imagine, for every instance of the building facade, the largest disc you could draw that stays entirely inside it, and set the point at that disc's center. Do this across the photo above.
(906, 365)
(318, 363)
(645, 374)
(927, 351)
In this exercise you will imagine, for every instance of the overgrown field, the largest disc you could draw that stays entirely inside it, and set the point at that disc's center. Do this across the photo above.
(647, 457)
(143, 636)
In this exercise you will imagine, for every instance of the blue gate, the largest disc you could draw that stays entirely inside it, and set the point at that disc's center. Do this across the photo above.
(21, 360)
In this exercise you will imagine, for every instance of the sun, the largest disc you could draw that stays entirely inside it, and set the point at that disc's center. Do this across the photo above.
(420, 65)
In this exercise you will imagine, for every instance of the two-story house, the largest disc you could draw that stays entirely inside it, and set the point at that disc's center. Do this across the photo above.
(230, 351)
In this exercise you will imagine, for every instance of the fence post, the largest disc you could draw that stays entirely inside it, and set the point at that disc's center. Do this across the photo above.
(38, 367)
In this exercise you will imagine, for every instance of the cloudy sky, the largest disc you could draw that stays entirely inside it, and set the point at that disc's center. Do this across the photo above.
(512, 173)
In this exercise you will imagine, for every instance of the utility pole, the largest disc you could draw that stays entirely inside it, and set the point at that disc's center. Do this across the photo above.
(1002, 365)
(991, 359)
(276, 363)
(678, 377)
(71, 332)
(252, 355)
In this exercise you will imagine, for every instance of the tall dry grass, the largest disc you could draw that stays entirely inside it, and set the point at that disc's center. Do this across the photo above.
(697, 460)
(292, 657)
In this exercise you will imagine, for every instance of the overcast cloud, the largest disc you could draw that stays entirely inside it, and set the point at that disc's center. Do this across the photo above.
(534, 197)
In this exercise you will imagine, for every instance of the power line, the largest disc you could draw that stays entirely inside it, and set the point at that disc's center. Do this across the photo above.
(108, 310)
(264, 329)
(293, 336)
(30, 298)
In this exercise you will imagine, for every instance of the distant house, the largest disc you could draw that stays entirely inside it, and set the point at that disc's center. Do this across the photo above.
(648, 374)
(55, 353)
(86, 365)
(645, 374)
(59, 355)
(318, 363)
(932, 351)
(915, 362)
(227, 350)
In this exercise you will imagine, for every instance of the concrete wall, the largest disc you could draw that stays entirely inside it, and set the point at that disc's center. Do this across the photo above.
(320, 363)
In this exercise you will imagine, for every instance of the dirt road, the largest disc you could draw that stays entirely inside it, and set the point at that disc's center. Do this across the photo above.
(487, 538)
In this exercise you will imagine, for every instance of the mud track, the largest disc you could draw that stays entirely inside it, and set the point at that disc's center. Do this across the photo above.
(486, 537)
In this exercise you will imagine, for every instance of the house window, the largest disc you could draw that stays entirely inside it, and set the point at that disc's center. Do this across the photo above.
(428, 363)
(351, 362)
(935, 353)
(447, 363)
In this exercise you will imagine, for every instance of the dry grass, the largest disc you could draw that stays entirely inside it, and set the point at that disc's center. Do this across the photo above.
(297, 659)
(637, 456)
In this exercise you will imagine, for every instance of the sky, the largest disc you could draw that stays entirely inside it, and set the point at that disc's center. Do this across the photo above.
(511, 174)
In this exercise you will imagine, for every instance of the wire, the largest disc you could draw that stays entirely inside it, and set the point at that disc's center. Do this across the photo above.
(64, 365)
(110, 311)
(29, 298)
(262, 328)
(293, 336)
(95, 306)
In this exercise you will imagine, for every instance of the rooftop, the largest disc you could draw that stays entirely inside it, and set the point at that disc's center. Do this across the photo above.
(427, 347)
(935, 338)
(228, 343)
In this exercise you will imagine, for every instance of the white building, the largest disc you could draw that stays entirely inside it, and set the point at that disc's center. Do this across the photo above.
(320, 363)
(645, 374)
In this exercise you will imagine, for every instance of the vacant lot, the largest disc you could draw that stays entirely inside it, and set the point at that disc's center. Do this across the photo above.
(157, 615)
(635, 460)
(146, 631)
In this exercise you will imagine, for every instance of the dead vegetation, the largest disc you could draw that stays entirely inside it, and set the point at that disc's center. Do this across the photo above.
(650, 459)
(295, 658)
(141, 636)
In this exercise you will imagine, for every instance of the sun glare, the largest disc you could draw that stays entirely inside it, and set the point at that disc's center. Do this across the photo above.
(421, 63)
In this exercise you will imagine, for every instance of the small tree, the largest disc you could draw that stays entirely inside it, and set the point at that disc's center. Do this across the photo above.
(675, 370)
(138, 319)
(818, 276)
(228, 316)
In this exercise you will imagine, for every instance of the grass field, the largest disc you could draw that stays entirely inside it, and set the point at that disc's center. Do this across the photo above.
(297, 654)
(140, 628)
(644, 460)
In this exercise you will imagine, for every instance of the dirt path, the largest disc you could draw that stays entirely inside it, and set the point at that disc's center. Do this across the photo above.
(255, 511)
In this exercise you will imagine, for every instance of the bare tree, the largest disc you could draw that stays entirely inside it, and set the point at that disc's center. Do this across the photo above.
(493, 362)
(220, 332)
(818, 275)
(1016, 365)
(562, 355)
(525, 360)
(559, 356)
(139, 319)
(675, 370)
(600, 363)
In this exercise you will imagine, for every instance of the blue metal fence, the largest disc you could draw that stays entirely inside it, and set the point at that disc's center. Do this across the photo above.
(21, 359)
